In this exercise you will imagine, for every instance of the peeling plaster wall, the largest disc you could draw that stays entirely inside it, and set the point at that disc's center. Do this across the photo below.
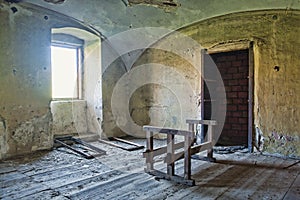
(173, 94)
(69, 117)
(92, 84)
(102, 14)
(3, 146)
(110, 78)
(25, 78)
(277, 89)
(24, 81)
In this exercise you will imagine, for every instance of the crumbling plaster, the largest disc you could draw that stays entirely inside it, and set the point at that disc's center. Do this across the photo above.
(18, 98)
(25, 77)
(69, 117)
(102, 14)
(24, 83)
(276, 70)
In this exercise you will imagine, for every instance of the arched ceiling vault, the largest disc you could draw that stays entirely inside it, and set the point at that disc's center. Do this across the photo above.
(114, 16)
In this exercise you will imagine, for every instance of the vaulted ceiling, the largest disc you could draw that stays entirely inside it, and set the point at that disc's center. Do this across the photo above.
(113, 16)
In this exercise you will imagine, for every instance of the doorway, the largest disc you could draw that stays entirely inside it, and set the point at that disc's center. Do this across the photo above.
(234, 68)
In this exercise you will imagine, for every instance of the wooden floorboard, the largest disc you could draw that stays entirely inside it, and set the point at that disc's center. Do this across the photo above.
(294, 188)
(60, 174)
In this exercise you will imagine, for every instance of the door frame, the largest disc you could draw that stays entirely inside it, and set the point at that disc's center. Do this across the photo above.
(236, 46)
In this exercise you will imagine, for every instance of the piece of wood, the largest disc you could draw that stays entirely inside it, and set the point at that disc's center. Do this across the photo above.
(163, 150)
(210, 139)
(149, 146)
(119, 146)
(170, 153)
(167, 130)
(129, 142)
(187, 158)
(198, 121)
(87, 156)
(175, 178)
(98, 150)
(194, 149)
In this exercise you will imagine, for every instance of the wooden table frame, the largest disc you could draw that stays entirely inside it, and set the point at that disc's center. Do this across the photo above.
(171, 156)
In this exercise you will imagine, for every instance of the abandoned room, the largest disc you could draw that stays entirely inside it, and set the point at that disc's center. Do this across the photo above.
(150, 99)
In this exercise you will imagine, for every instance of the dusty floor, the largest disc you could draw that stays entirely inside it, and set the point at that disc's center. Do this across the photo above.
(61, 174)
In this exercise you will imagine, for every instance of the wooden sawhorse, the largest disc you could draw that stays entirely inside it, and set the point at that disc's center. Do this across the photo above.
(171, 156)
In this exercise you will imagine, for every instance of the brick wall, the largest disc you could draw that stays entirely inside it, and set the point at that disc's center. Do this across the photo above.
(234, 67)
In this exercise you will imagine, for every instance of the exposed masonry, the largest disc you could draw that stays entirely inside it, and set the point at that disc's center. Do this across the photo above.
(233, 67)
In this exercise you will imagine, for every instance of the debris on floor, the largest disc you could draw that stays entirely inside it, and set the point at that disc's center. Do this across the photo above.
(122, 144)
(230, 149)
(79, 146)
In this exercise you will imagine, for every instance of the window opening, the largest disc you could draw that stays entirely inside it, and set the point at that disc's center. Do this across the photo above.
(65, 71)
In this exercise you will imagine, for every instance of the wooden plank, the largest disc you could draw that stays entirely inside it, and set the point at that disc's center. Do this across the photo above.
(135, 147)
(170, 153)
(87, 156)
(187, 158)
(167, 130)
(195, 149)
(175, 178)
(198, 121)
(293, 192)
(100, 151)
(210, 139)
(163, 150)
(149, 146)
(128, 142)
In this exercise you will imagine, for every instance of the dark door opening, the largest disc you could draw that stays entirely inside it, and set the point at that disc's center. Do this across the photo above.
(234, 69)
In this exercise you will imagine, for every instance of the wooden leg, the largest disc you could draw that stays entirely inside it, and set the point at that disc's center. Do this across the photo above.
(210, 139)
(210, 153)
(192, 129)
(149, 148)
(187, 157)
(170, 152)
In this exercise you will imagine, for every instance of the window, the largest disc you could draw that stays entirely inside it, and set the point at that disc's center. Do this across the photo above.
(65, 71)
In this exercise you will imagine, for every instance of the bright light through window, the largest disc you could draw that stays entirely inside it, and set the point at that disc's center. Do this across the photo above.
(64, 72)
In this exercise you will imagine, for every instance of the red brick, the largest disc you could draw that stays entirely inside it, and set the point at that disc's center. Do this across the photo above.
(232, 95)
(236, 127)
(245, 88)
(243, 120)
(237, 114)
(228, 89)
(232, 70)
(237, 101)
(243, 69)
(245, 62)
(245, 114)
(243, 94)
(229, 101)
(232, 108)
(236, 63)
(245, 127)
(229, 113)
(236, 88)
(223, 65)
(227, 126)
(227, 76)
(242, 107)
(242, 56)
(233, 120)
(238, 76)
(243, 82)
(233, 82)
